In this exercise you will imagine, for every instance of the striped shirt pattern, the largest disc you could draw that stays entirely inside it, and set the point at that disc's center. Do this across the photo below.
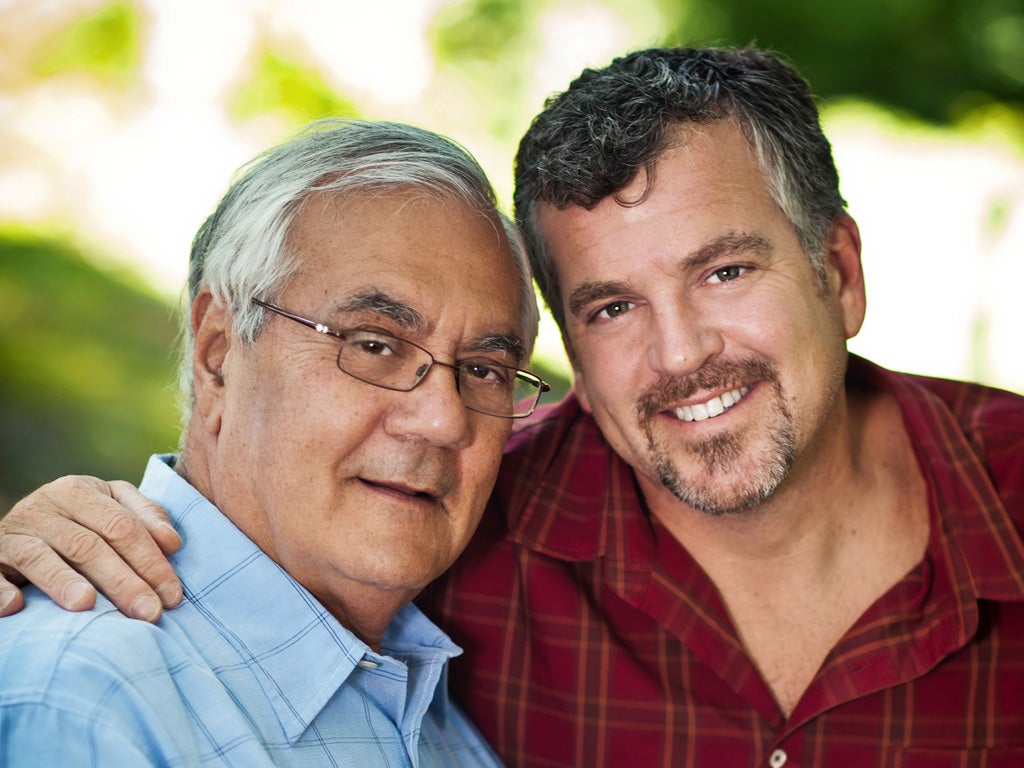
(249, 671)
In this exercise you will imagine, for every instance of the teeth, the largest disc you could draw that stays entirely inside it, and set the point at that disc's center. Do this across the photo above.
(713, 407)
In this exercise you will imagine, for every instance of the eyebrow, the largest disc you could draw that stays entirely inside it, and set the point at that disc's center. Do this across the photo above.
(585, 294)
(729, 244)
(505, 343)
(412, 321)
(378, 302)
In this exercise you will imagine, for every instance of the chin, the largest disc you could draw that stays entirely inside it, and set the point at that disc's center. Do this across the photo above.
(748, 489)
(720, 503)
(405, 575)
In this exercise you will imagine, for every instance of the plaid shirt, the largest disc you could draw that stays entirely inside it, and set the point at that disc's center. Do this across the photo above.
(593, 638)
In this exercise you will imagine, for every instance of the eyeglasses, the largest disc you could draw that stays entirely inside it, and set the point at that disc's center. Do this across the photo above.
(394, 363)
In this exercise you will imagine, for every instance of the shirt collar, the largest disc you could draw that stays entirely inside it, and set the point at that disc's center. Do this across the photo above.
(413, 637)
(299, 653)
(555, 481)
(569, 495)
(971, 525)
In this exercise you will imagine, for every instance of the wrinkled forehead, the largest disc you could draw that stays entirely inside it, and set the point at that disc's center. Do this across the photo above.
(425, 262)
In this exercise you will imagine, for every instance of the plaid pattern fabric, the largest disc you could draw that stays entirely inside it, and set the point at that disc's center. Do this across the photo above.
(593, 639)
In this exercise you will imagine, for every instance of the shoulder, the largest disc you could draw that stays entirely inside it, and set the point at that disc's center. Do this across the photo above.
(113, 687)
(47, 653)
(63, 678)
(991, 419)
(986, 413)
(987, 416)
(962, 424)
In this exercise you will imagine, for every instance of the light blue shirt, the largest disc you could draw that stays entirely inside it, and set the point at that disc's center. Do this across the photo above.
(249, 671)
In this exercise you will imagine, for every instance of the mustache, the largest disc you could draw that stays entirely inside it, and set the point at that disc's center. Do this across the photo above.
(716, 374)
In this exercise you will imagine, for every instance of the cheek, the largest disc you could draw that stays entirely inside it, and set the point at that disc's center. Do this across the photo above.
(489, 450)
(480, 462)
(609, 372)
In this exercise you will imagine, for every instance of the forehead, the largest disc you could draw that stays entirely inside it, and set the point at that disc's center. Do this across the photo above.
(706, 181)
(448, 262)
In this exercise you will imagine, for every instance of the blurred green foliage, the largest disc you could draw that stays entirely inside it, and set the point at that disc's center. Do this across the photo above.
(105, 44)
(934, 59)
(88, 356)
(279, 84)
(88, 361)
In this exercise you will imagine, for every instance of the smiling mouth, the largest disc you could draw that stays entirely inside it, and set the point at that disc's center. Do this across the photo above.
(716, 406)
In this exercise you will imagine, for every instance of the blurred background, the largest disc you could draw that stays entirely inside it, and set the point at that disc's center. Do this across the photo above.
(121, 124)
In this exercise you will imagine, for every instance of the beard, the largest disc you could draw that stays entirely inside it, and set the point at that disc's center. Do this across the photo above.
(751, 473)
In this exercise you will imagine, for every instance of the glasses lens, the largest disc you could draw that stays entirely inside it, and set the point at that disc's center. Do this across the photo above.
(390, 362)
(496, 389)
(381, 359)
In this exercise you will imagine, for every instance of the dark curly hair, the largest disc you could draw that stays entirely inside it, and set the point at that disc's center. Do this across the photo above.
(590, 141)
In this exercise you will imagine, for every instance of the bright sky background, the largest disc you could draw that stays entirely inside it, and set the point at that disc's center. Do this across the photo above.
(944, 273)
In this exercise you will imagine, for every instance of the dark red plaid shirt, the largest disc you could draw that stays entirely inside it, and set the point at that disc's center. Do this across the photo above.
(592, 638)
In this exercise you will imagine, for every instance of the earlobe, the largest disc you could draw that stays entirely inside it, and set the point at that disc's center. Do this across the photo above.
(211, 328)
(846, 272)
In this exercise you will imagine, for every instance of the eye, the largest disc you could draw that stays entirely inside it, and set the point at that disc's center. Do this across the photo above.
(725, 274)
(613, 310)
(477, 371)
(373, 344)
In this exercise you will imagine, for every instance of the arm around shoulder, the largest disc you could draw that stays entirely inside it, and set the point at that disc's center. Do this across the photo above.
(79, 531)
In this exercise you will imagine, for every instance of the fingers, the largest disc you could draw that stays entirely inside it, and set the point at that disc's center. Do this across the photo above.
(147, 512)
(11, 599)
(30, 555)
(75, 531)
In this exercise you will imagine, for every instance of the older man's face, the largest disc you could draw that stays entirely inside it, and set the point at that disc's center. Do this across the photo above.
(347, 485)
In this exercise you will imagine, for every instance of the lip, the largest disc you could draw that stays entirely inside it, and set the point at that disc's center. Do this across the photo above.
(710, 407)
(403, 491)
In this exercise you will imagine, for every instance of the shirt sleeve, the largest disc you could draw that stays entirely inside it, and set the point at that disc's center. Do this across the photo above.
(89, 689)
(37, 734)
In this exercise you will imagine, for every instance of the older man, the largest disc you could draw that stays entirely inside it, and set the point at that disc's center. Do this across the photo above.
(734, 544)
(347, 420)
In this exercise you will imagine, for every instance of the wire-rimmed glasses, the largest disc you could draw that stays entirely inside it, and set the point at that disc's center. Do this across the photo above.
(391, 362)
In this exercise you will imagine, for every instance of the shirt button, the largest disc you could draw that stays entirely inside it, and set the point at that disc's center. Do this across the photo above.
(778, 759)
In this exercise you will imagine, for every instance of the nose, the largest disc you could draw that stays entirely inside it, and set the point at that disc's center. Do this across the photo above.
(682, 341)
(433, 411)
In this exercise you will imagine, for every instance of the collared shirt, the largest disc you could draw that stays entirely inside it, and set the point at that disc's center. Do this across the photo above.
(249, 671)
(594, 639)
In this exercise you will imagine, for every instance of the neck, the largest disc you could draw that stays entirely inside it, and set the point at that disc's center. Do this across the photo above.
(799, 569)
(802, 517)
(366, 612)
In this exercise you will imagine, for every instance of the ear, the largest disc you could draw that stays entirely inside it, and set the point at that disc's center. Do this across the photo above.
(845, 272)
(211, 328)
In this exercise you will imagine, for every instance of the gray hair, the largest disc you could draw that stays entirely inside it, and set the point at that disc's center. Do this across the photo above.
(592, 140)
(241, 251)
